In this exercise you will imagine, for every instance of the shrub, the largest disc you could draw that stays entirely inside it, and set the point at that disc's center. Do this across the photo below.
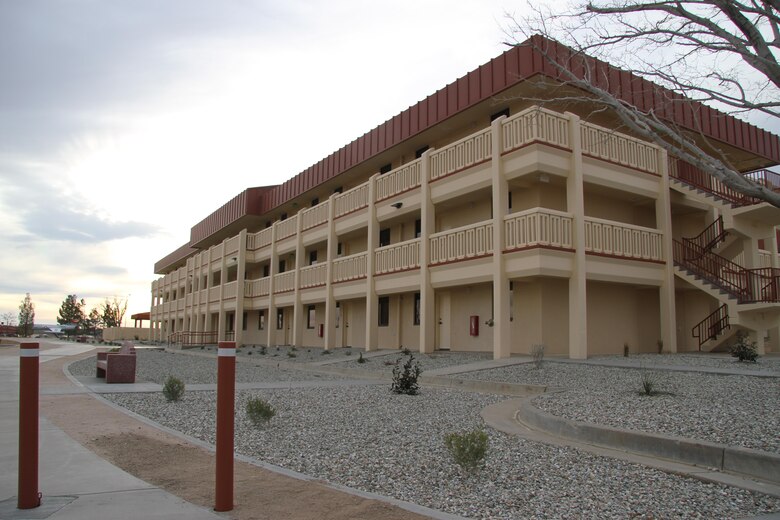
(259, 411)
(360, 358)
(263, 350)
(292, 354)
(173, 389)
(325, 353)
(743, 349)
(405, 376)
(648, 383)
(467, 449)
(537, 353)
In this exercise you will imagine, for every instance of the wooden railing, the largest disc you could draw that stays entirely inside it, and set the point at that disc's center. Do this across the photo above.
(397, 257)
(463, 243)
(469, 151)
(606, 144)
(609, 238)
(313, 276)
(534, 124)
(538, 227)
(287, 228)
(351, 200)
(352, 267)
(313, 217)
(284, 282)
(712, 326)
(397, 181)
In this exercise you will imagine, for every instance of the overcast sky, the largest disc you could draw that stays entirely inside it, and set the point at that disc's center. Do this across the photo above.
(125, 122)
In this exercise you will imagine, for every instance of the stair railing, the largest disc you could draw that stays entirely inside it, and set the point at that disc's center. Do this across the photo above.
(712, 326)
(697, 178)
(712, 235)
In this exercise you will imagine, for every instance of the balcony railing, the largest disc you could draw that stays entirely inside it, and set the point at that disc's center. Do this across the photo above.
(259, 240)
(538, 227)
(610, 238)
(532, 125)
(693, 176)
(397, 257)
(287, 228)
(398, 181)
(469, 151)
(229, 290)
(609, 145)
(284, 282)
(313, 217)
(352, 267)
(351, 200)
(313, 276)
(255, 288)
(464, 243)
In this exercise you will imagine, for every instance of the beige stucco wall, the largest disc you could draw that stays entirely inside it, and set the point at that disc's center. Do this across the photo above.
(692, 307)
(541, 316)
(472, 300)
(125, 333)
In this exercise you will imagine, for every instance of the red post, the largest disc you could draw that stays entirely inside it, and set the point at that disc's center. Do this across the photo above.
(28, 496)
(226, 396)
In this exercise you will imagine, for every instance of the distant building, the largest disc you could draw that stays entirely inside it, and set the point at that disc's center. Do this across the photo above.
(478, 220)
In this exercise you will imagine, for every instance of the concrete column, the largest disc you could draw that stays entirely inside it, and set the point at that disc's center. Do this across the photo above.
(240, 276)
(428, 320)
(772, 243)
(666, 295)
(298, 311)
(575, 201)
(500, 193)
(372, 316)
(270, 320)
(329, 339)
(222, 318)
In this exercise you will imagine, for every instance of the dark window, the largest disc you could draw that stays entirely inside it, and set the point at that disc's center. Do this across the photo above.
(384, 237)
(231, 319)
(279, 319)
(261, 321)
(495, 116)
(339, 249)
(385, 169)
(509, 196)
(419, 152)
(315, 201)
(417, 228)
(312, 257)
(216, 278)
(268, 223)
(311, 317)
(283, 217)
(338, 314)
(243, 325)
(281, 266)
(266, 270)
(338, 190)
(416, 308)
(384, 311)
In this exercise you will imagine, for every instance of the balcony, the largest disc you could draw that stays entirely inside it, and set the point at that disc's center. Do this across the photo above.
(397, 257)
(463, 243)
(349, 268)
(538, 227)
(615, 239)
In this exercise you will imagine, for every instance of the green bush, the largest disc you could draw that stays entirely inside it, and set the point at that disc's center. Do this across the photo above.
(360, 358)
(467, 449)
(743, 349)
(259, 411)
(173, 389)
(405, 376)
(648, 383)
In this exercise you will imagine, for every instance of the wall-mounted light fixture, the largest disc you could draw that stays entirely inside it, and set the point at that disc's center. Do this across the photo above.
(397, 205)
(543, 177)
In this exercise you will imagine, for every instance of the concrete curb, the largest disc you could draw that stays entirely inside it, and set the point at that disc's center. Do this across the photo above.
(752, 463)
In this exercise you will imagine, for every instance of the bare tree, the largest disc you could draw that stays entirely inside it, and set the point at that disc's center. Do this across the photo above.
(720, 52)
(8, 318)
(113, 312)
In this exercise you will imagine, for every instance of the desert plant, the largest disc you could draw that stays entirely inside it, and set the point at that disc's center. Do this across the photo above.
(537, 353)
(625, 349)
(405, 376)
(743, 349)
(360, 358)
(292, 354)
(263, 350)
(648, 383)
(173, 389)
(325, 353)
(406, 352)
(468, 449)
(259, 411)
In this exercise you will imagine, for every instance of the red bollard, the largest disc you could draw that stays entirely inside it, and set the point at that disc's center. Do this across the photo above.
(226, 396)
(28, 496)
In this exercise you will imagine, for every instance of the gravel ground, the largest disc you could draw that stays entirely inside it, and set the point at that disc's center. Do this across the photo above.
(730, 409)
(427, 361)
(156, 365)
(764, 364)
(370, 439)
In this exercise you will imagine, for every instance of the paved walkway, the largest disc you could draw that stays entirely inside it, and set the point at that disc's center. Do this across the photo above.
(75, 483)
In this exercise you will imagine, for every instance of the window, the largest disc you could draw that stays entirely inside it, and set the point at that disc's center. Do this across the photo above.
(509, 196)
(312, 257)
(279, 319)
(315, 201)
(216, 278)
(311, 317)
(418, 153)
(283, 217)
(417, 228)
(385, 169)
(243, 325)
(231, 322)
(266, 270)
(495, 116)
(338, 190)
(339, 249)
(416, 308)
(261, 321)
(384, 237)
(384, 311)
(338, 314)
(281, 266)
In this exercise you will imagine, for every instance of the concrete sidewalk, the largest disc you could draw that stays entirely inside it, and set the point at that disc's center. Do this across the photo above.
(75, 483)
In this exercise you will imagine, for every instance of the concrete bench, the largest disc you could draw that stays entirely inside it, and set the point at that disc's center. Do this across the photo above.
(117, 367)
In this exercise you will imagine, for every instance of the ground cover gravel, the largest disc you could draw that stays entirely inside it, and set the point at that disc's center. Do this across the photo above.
(737, 410)
(370, 439)
(427, 362)
(156, 365)
(764, 364)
